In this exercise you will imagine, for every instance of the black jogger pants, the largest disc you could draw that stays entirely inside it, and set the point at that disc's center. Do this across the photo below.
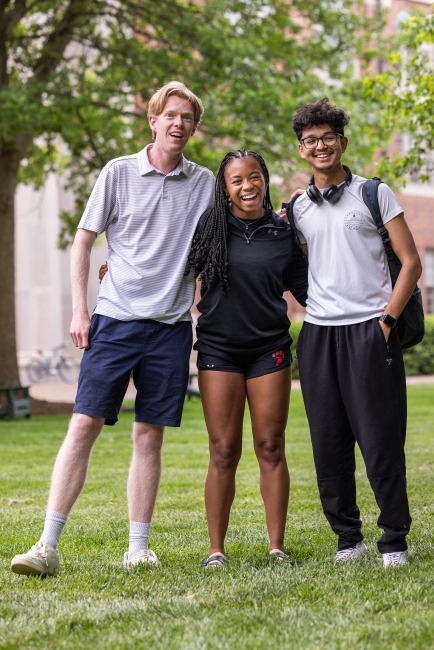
(354, 390)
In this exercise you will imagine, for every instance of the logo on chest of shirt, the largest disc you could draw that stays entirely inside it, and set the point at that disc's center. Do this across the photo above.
(354, 220)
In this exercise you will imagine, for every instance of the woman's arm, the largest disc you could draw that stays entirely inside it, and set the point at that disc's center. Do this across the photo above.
(295, 275)
(102, 271)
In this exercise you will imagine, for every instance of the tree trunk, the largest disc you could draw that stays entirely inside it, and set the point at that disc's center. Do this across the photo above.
(9, 166)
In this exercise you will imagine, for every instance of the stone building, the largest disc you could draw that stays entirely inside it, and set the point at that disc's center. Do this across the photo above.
(42, 289)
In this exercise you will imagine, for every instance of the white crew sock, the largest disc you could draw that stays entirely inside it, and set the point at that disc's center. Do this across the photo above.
(54, 523)
(138, 540)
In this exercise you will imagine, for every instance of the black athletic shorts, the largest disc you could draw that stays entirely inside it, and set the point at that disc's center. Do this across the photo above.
(250, 364)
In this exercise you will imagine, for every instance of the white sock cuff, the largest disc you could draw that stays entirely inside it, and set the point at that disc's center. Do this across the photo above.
(137, 528)
(54, 523)
(138, 540)
(52, 515)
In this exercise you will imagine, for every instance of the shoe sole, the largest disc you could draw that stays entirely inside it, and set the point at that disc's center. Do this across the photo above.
(351, 559)
(26, 567)
(282, 560)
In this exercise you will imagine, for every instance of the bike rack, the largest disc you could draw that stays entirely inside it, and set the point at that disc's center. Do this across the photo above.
(16, 405)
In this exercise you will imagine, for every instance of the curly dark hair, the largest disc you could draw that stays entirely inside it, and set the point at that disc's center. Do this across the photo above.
(323, 112)
(209, 250)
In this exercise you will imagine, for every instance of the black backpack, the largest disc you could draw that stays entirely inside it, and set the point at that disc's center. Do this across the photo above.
(411, 326)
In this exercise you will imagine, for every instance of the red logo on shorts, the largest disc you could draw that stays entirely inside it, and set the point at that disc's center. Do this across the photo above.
(279, 356)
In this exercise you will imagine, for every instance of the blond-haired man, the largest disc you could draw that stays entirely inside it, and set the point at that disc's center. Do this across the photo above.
(148, 205)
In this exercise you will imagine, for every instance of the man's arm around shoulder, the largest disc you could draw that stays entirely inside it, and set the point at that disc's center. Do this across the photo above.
(80, 262)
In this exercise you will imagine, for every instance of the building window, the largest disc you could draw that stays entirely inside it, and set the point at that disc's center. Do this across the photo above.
(429, 280)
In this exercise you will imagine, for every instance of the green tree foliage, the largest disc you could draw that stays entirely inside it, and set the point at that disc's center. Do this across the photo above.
(405, 93)
(72, 73)
(420, 359)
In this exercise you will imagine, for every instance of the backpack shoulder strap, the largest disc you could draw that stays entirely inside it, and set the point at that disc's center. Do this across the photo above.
(290, 215)
(370, 197)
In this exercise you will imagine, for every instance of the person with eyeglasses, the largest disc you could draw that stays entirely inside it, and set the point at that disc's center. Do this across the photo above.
(350, 360)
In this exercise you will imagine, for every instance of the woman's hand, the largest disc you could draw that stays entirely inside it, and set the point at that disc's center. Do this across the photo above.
(102, 271)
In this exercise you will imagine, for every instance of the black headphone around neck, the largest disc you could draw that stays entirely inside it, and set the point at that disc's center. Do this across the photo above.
(332, 193)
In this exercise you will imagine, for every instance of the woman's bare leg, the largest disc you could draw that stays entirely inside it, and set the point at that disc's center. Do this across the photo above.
(268, 398)
(223, 397)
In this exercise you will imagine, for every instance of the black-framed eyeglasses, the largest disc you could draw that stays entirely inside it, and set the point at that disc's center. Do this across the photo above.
(328, 140)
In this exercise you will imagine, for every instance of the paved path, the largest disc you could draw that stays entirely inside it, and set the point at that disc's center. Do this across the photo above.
(56, 391)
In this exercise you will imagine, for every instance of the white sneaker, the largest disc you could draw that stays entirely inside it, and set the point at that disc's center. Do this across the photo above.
(40, 560)
(142, 557)
(357, 552)
(395, 559)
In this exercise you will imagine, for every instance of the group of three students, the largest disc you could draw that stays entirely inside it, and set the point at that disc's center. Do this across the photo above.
(168, 221)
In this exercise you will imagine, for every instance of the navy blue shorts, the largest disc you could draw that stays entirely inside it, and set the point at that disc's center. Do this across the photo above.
(250, 364)
(157, 355)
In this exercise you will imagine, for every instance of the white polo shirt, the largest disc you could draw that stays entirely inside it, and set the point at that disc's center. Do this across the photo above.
(349, 278)
(149, 219)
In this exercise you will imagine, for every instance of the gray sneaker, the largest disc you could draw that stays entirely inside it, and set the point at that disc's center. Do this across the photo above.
(395, 559)
(356, 552)
(40, 560)
(142, 557)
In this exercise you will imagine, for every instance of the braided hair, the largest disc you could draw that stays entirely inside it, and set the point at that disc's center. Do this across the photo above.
(209, 250)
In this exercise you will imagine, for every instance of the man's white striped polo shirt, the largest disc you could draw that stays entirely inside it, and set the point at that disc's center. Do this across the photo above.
(149, 219)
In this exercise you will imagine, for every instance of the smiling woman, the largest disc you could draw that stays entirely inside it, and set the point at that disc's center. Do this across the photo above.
(245, 256)
(246, 186)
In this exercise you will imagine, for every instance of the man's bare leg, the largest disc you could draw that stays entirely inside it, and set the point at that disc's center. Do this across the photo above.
(142, 488)
(69, 475)
(70, 467)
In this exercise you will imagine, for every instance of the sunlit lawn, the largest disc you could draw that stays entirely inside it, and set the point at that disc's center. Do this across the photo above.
(93, 603)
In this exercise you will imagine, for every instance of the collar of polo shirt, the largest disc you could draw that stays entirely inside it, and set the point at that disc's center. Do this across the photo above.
(145, 166)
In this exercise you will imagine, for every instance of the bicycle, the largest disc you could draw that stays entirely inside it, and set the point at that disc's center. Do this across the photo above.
(51, 364)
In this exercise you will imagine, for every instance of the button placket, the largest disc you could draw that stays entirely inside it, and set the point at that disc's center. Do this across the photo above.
(165, 195)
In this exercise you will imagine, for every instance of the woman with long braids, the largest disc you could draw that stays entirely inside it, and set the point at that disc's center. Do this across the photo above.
(245, 256)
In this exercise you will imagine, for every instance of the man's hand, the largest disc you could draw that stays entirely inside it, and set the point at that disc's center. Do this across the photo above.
(386, 330)
(282, 212)
(102, 271)
(79, 330)
(80, 261)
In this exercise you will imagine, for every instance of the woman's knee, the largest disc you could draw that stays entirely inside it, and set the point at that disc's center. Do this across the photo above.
(270, 450)
(225, 456)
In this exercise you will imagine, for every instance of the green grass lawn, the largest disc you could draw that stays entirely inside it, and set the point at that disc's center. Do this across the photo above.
(93, 603)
